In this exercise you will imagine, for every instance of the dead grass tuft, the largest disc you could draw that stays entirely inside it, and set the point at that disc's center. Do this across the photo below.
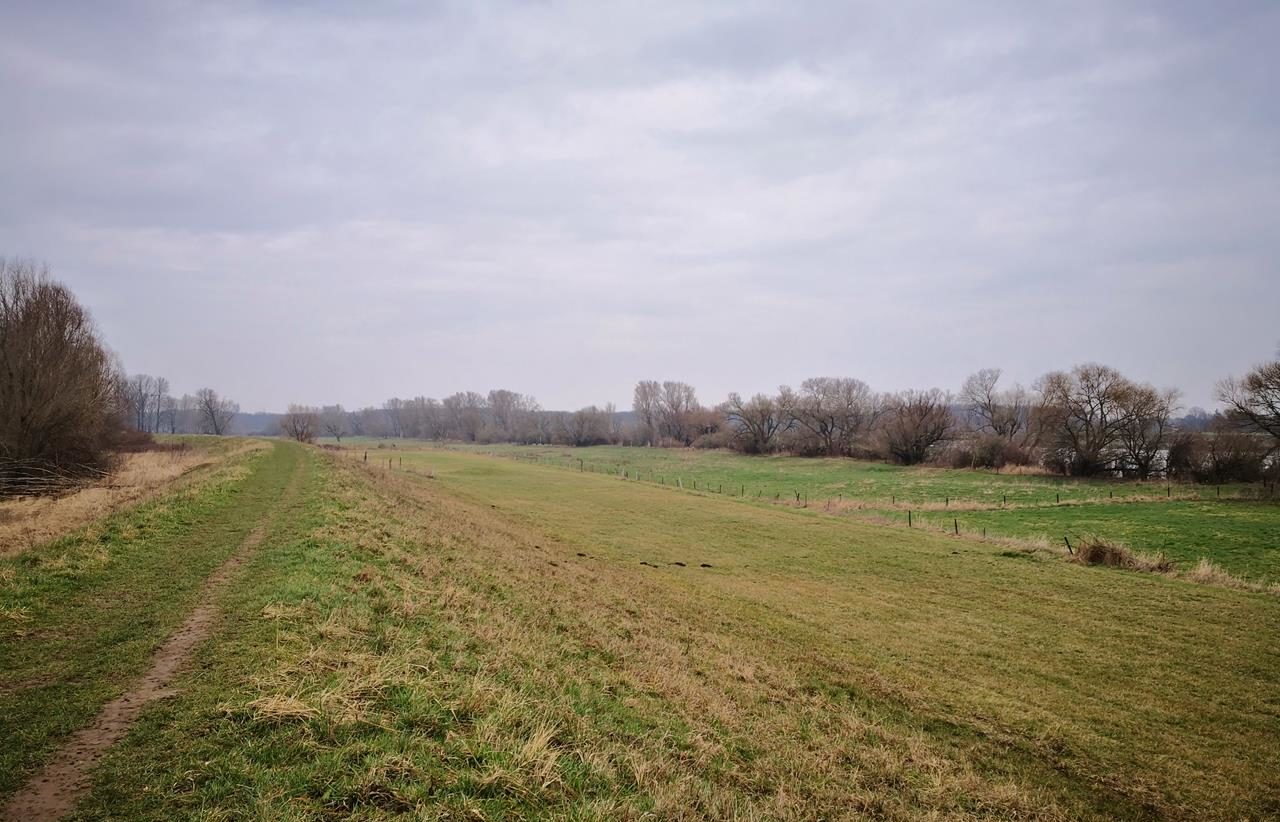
(1207, 572)
(1113, 555)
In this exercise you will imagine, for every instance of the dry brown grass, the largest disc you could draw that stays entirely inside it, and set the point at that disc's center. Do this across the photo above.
(1207, 572)
(31, 521)
(1114, 555)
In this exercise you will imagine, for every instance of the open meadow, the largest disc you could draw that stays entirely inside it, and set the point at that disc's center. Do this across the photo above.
(641, 412)
(448, 635)
(1236, 526)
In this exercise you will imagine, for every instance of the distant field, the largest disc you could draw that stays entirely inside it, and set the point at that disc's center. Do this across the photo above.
(1228, 524)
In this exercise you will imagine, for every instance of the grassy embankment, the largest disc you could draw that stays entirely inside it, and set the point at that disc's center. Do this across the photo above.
(508, 641)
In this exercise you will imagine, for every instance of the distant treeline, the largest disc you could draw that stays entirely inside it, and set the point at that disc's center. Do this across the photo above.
(66, 406)
(1087, 421)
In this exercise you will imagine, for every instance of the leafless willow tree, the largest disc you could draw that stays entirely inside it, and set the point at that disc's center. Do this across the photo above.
(915, 422)
(170, 412)
(335, 421)
(464, 415)
(510, 417)
(139, 394)
(1144, 435)
(1004, 413)
(394, 415)
(647, 406)
(678, 408)
(756, 422)
(61, 393)
(1254, 401)
(159, 395)
(831, 413)
(1085, 410)
(301, 423)
(586, 426)
(214, 413)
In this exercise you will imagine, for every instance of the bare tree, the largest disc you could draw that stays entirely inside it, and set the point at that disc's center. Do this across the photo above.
(586, 426)
(509, 413)
(1005, 414)
(1084, 411)
(374, 422)
(1254, 401)
(831, 413)
(1144, 435)
(756, 422)
(139, 394)
(61, 393)
(613, 422)
(393, 413)
(464, 414)
(915, 422)
(356, 423)
(300, 423)
(213, 413)
(169, 413)
(647, 405)
(188, 414)
(161, 393)
(428, 417)
(677, 408)
(334, 421)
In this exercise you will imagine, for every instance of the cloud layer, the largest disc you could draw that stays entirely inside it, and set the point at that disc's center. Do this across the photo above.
(294, 202)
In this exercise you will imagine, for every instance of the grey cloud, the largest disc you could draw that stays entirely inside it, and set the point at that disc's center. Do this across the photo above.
(566, 197)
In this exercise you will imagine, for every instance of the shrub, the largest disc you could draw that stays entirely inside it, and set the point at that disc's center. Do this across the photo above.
(61, 409)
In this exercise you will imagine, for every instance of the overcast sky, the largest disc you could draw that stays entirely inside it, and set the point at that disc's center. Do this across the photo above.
(293, 202)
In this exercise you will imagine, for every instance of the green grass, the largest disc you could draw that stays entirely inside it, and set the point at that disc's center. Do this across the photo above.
(501, 640)
(81, 616)
(1185, 522)
(1130, 681)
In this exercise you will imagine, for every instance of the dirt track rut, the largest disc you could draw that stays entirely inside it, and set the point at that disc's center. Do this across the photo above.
(54, 791)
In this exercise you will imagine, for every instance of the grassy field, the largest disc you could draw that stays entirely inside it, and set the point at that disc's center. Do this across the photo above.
(467, 637)
(1226, 524)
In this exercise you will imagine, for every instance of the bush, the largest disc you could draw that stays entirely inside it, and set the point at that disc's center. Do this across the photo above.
(61, 410)
(1222, 454)
(984, 451)
(716, 439)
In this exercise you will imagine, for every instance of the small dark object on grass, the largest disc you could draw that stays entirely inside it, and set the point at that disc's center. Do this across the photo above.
(705, 565)
(681, 564)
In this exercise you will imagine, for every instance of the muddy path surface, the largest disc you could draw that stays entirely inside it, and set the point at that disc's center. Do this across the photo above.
(54, 791)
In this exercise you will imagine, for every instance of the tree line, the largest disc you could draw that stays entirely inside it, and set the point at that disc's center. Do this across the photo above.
(1089, 420)
(67, 405)
(150, 408)
(498, 416)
